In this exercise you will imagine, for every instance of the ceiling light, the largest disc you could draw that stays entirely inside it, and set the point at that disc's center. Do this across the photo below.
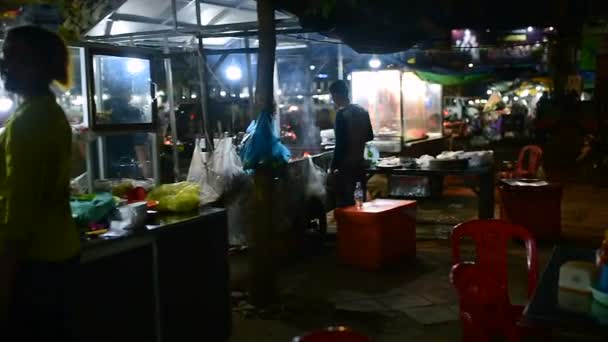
(375, 63)
(135, 66)
(5, 104)
(234, 73)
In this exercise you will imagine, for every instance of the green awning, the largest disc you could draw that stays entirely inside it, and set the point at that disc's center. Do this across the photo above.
(453, 79)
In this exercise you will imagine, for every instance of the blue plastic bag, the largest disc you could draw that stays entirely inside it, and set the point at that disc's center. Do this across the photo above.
(264, 146)
(92, 210)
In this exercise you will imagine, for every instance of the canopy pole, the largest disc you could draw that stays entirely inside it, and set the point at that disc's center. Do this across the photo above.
(202, 78)
(174, 13)
(171, 102)
(252, 114)
(340, 63)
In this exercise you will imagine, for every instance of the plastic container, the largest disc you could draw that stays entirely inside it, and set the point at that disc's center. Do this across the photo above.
(377, 235)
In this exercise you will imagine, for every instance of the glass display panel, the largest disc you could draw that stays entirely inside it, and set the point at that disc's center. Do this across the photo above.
(128, 155)
(421, 108)
(122, 92)
(379, 93)
(73, 100)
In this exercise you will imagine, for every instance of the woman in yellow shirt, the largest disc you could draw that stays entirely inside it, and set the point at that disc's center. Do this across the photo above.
(39, 242)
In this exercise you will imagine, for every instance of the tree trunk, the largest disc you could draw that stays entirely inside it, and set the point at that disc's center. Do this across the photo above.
(266, 54)
(262, 266)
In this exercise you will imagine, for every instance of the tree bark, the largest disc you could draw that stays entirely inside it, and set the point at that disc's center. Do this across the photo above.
(262, 266)
(266, 55)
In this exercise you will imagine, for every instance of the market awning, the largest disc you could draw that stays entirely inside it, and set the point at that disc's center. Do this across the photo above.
(453, 79)
(153, 20)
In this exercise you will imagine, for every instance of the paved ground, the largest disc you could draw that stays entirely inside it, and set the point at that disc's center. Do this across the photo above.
(413, 301)
(409, 303)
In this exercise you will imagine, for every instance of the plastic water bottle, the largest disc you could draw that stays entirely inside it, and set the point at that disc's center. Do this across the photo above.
(359, 195)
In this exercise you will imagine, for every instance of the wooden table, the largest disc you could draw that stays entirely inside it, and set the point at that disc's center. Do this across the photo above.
(589, 322)
(485, 175)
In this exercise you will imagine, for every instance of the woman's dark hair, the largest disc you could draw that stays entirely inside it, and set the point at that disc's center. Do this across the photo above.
(45, 50)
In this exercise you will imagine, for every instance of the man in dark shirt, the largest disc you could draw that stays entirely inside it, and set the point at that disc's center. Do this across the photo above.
(353, 130)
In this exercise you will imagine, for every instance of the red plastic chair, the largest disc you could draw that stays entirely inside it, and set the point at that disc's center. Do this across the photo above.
(333, 334)
(482, 285)
(535, 154)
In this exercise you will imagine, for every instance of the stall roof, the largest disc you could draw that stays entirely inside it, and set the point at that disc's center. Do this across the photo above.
(150, 22)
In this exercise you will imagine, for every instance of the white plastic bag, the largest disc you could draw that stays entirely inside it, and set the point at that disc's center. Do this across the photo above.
(225, 165)
(222, 175)
(424, 161)
(239, 209)
(317, 178)
(199, 173)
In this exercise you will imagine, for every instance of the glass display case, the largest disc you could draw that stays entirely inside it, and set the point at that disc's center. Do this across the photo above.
(421, 108)
(122, 91)
(379, 93)
(400, 104)
(128, 155)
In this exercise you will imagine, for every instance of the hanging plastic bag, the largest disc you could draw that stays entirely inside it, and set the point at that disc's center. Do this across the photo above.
(264, 146)
(225, 165)
(317, 178)
(240, 206)
(199, 173)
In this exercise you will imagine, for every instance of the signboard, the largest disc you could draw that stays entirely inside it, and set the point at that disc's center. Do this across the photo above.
(502, 46)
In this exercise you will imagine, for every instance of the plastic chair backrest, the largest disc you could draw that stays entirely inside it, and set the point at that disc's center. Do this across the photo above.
(535, 154)
(491, 238)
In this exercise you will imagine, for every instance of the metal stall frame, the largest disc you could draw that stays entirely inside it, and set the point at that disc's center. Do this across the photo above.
(161, 42)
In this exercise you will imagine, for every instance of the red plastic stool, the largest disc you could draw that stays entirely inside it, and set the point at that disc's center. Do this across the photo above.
(377, 235)
(333, 334)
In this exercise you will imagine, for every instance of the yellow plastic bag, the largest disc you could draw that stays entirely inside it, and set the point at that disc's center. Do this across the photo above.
(177, 197)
